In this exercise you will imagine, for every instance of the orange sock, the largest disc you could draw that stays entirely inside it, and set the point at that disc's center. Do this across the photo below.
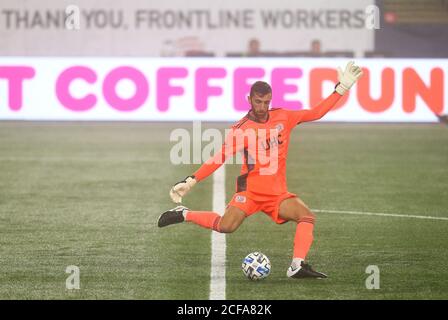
(206, 219)
(304, 237)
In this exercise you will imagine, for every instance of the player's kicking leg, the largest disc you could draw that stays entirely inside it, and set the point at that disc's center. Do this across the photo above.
(228, 223)
(293, 209)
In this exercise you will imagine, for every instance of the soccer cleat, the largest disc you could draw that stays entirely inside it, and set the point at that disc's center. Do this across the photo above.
(172, 216)
(304, 271)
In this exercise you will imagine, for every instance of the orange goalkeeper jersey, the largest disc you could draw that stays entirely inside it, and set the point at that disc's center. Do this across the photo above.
(264, 148)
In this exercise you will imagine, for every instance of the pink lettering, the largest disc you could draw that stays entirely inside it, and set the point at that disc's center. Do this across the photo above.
(202, 89)
(280, 88)
(241, 87)
(15, 75)
(141, 91)
(63, 84)
(164, 89)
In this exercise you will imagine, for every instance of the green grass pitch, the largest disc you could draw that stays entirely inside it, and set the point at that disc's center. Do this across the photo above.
(89, 194)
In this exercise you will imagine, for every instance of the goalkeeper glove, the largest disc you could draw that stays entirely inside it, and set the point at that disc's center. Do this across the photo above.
(348, 78)
(181, 188)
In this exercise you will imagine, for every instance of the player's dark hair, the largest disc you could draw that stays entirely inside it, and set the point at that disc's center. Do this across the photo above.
(261, 88)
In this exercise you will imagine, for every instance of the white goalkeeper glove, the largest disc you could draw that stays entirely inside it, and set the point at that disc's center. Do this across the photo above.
(181, 188)
(348, 78)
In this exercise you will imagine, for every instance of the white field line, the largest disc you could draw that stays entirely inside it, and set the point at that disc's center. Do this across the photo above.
(382, 214)
(218, 263)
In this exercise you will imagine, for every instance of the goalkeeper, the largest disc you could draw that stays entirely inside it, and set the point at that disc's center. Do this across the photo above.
(255, 190)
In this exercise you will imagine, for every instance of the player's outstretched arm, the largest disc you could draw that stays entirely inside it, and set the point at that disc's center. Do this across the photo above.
(180, 189)
(347, 79)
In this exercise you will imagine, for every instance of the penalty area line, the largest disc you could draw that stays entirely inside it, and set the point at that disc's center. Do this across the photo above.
(382, 214)
(218, 259)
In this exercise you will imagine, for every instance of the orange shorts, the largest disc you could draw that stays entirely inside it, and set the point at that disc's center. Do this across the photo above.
(251, 204)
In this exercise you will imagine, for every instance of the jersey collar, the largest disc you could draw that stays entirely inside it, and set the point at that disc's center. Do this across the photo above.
(254, 119)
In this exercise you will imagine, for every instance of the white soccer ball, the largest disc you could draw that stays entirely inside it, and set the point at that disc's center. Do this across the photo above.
(256, 266)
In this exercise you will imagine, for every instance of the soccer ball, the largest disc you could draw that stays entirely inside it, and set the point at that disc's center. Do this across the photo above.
(256, 266)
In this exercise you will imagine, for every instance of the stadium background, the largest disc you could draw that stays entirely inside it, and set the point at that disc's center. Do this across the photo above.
(87, 107)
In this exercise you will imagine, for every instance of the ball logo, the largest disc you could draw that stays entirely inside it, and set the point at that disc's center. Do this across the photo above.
(240, 199)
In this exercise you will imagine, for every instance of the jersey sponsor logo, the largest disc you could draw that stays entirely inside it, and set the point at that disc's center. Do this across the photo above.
(240, 199)
(279, 127)
(274, 142)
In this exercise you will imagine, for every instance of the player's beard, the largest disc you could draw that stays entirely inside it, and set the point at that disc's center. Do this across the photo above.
(261, 115)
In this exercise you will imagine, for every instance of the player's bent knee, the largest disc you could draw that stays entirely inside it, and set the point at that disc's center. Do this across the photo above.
(310, 218)
(305, 212)
(232, 219)
(228, 227)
